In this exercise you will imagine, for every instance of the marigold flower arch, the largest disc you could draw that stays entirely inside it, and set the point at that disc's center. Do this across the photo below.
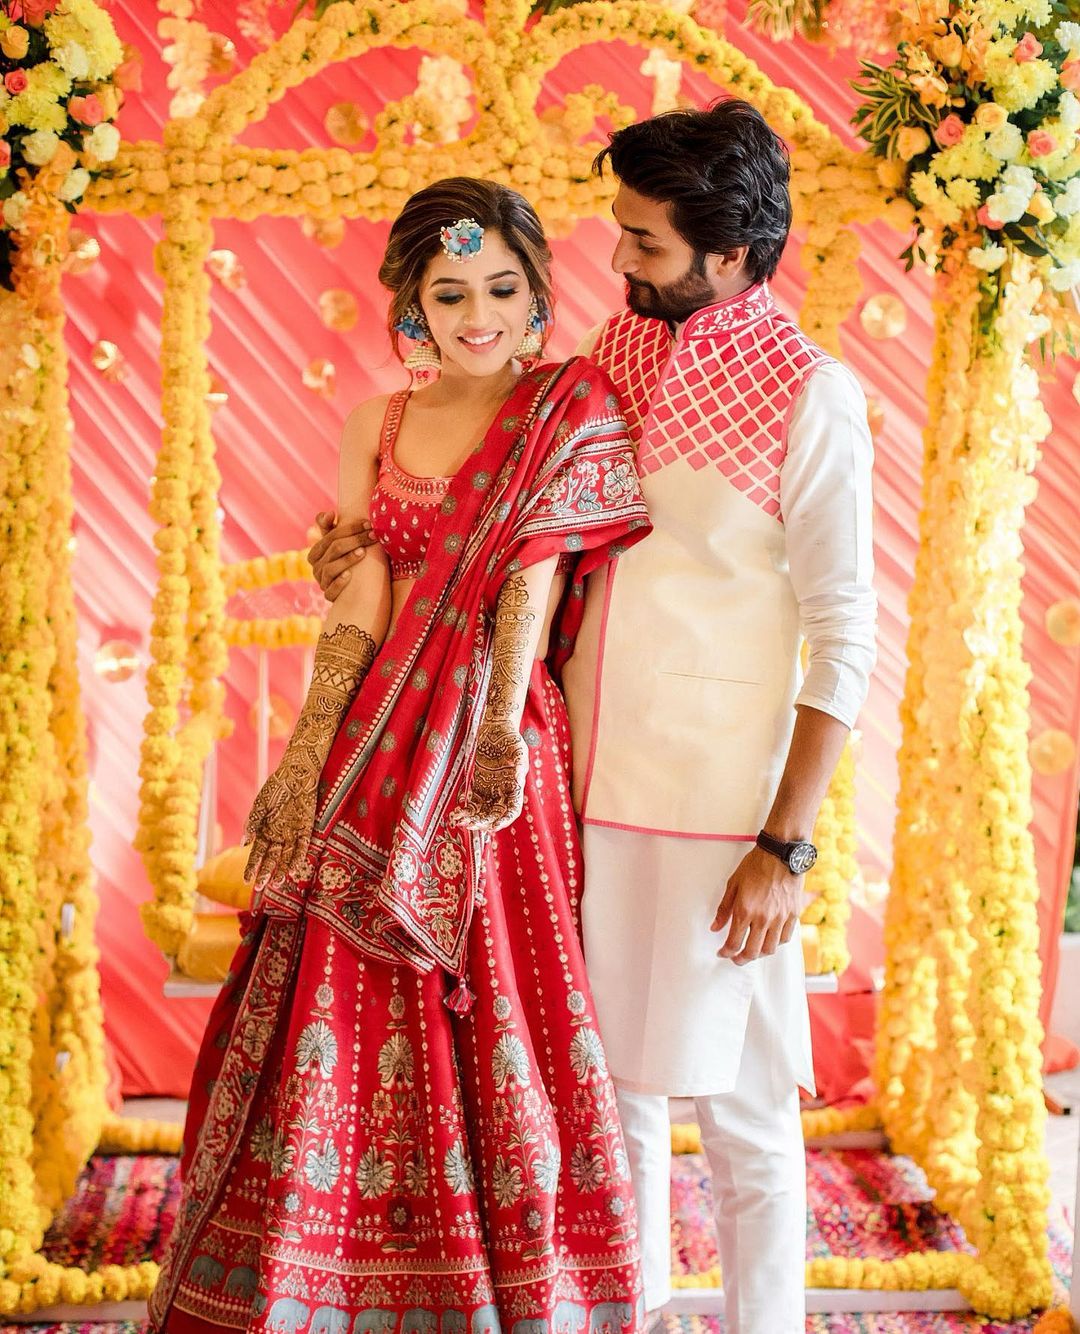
(961, 930)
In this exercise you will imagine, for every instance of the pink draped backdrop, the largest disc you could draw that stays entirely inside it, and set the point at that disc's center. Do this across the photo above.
(277, 445)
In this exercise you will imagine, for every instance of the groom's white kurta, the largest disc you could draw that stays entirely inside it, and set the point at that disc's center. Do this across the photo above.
(755, 458)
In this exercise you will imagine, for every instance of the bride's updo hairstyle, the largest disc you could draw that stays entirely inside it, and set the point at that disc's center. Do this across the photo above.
(415, 238)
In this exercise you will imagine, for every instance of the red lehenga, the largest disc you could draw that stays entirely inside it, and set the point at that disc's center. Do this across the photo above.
(359, 1157)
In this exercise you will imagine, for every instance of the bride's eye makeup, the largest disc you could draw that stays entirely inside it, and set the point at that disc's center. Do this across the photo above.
(452, 298)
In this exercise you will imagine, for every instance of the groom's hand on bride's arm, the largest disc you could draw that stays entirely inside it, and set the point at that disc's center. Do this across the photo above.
(760, 908)
(339, 548)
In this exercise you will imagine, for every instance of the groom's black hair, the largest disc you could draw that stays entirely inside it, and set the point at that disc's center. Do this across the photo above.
(723, 172)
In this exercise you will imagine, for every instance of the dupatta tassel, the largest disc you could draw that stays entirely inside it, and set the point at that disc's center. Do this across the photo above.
(460, 1000)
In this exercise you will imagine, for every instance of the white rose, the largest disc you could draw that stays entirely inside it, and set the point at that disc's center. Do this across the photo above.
(1006, 142)
(989, 258)
(15, 209)
(73, 60)
(1065, 277)
(1068, 34)
(1021, 179)
(1069, 110)
(40, 147)
(1007, 205)
(1068, 202)
(75, 182)
(102, 142)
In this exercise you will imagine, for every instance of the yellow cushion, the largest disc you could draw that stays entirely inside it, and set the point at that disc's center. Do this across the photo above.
(208, 950)
(222, 878)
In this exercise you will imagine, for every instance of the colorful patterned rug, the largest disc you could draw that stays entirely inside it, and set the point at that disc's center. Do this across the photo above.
(860, 1203)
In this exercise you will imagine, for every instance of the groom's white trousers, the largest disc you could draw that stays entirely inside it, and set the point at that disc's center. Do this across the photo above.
(677, 1022)
(753, 1141)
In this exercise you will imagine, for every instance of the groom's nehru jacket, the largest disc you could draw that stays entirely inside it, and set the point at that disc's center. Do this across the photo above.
(755, 457)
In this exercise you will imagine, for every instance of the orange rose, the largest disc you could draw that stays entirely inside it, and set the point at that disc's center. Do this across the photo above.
(86, 110)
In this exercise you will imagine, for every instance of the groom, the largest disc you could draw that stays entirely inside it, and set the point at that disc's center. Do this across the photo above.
(701, 753)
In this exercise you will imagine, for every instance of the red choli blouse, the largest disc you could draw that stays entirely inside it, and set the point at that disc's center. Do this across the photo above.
(403, 507)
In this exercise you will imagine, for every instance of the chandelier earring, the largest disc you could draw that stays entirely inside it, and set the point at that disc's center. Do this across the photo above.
(532, 344)
(424, 361)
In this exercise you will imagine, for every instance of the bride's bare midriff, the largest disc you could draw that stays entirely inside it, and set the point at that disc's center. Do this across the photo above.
(401, 588)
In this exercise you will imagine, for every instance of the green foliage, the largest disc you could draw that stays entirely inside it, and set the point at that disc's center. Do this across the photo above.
(890, 103)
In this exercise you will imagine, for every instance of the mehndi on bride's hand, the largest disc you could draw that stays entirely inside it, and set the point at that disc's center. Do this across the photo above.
(496, 794)
(283, 816)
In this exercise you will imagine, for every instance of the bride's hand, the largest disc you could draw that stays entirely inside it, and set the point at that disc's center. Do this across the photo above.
(497, 792)
(283, 816)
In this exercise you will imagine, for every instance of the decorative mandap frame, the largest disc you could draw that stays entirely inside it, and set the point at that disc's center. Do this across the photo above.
(958, 1063)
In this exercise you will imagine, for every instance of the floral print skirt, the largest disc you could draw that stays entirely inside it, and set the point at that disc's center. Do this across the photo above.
(360, 1160)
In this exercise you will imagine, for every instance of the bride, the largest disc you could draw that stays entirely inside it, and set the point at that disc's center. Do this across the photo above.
(401, 1116)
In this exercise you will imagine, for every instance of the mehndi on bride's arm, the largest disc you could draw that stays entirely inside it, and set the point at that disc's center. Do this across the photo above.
(283, 816)
(497, 790)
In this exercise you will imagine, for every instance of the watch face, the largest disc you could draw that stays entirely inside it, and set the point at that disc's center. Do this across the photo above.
(802, 857)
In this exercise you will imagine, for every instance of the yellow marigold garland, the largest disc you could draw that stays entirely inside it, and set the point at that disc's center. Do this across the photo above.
(1005, 1214)
(265, 571)
(905, 1030)
(817, 1123)
(271, 633)
(958, 1060)
(831, 261)
(27, 655)
(51, 1110)
(189, 600)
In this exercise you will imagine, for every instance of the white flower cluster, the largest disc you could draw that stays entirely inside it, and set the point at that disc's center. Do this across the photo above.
(1010, 202)
(1068, 35)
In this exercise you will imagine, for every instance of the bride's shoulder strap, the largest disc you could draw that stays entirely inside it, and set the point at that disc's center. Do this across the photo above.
(391, 423)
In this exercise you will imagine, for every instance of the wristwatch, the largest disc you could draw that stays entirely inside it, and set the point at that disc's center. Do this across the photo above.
(798, 857)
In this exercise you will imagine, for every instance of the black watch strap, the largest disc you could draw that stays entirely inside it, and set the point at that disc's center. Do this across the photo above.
(797, 856)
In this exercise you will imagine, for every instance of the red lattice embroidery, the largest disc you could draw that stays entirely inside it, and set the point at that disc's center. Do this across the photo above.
(723, 398)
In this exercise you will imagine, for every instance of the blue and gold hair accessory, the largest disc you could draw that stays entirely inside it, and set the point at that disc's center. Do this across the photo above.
(413, 324)
(462, 240)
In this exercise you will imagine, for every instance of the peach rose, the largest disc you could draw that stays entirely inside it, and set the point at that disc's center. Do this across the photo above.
(990, 116)
(15, 42)
(1070, 76)
(1027, 48)
(1040, 143)
(950, 131)
(86, 110)
(987, 220)
(5, 155)
(15, 82)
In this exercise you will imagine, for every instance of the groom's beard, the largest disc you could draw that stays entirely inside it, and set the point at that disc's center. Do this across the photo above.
(676, 302)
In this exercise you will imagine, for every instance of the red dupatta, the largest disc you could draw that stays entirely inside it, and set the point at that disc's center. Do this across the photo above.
(386, 870)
